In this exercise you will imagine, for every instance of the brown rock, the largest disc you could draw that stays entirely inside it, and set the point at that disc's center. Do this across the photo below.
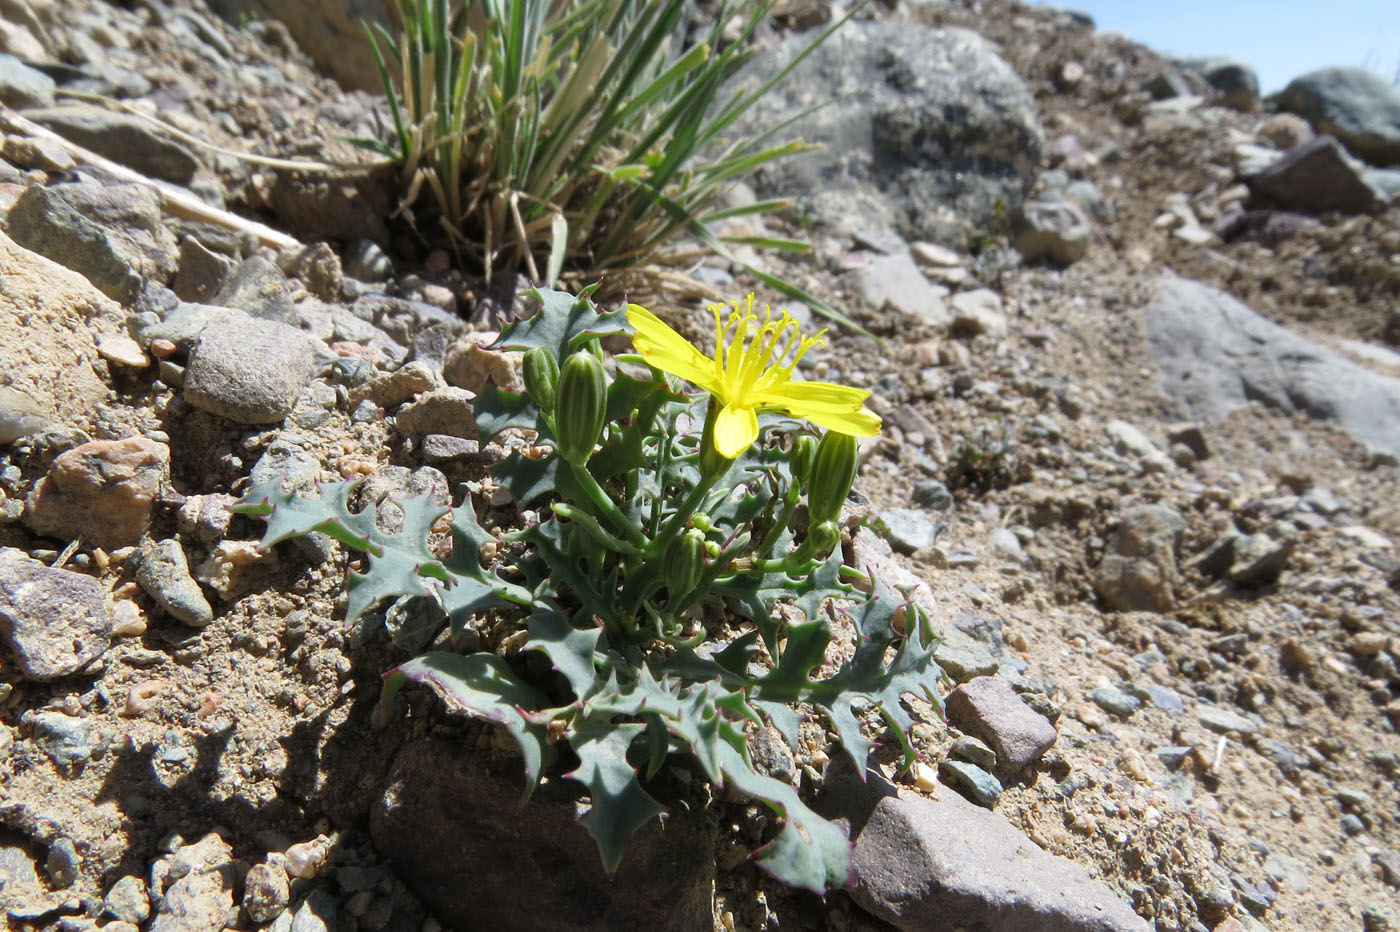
(50, 320)
(101, 491)
(433, 841)
(469, 364)
(987, 708)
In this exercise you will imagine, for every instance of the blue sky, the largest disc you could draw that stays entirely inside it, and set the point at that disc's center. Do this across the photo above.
(1280, 38)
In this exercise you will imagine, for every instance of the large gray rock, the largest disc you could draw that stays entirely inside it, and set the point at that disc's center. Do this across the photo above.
(112, 235)
(54, 622)
(929, 132)
(929, 865)
(1234, 81)
(1217, 355)
(22, 86)
(248, 370)
(533, 867)
(126, 140)
(1355, 105)
(1317, 176)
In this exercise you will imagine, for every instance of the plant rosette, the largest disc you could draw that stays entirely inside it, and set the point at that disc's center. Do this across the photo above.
(668, 536)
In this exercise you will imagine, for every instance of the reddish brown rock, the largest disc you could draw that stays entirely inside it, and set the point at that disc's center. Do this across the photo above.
(989, 709)
(101, 491)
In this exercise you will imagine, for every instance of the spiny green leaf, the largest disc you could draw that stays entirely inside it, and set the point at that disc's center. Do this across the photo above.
(484, 686)
(498, 408)
(290, 514)
(619, 805)
(570, 649)
(809, 852)
(563, 324)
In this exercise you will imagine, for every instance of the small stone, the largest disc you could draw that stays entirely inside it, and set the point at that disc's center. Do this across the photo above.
(229, 567)
(1131, 442)
(1259, 559)
(102, 491)
(23, 87)
(441, 411)
(909, 529)
(983, 787)
(164, 573)
(266, 892)
(127, 901)
(1005, 542)
(63, 863)
(1174, 756)
(1114, 702)
(202, 272)
(54, 622)
(931, 254)
(125, 139)
(1224, 721)
(123, 351)
(894, 283)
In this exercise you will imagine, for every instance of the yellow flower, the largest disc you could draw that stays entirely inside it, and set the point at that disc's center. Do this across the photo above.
(750, 372)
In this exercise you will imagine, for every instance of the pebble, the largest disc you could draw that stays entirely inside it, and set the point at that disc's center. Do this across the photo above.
(102, 491)
(989, 709)
(248, 370)
(1174, 756)
(123, 351)
(1005, 542)
(127, 900)
(266, 891)
(983, 787)
(164, 573)
(1224, 721)
(909, 529)
(55, 622)
(1115, 702)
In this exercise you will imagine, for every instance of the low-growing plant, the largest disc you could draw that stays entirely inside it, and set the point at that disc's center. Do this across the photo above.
(983, 460)
(672, 576)
(579, 135)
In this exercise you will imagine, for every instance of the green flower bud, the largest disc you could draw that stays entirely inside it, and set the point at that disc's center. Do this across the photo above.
(823, 538)
(541, 373)
(712, 462)
(580, 407)
(832, 474)
(683, 562)
(804, 453)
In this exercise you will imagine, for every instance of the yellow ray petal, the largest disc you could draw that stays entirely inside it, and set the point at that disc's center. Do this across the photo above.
(667, 350)
(836, 407)
(735, 429)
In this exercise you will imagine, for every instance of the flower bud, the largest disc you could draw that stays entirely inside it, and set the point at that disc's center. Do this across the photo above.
(833, 471)
(541, 373)
(823, 538)
(804, 453)
(580, 407)
(683, 562)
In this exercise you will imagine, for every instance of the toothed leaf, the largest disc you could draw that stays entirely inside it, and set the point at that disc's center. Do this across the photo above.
(482, 686)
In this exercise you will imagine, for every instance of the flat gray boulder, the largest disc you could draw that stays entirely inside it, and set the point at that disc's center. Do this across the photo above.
(931, 129)
(1217, 355)
(1354, 104)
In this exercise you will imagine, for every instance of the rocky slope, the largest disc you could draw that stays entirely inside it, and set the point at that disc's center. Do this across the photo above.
(1133, 334)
